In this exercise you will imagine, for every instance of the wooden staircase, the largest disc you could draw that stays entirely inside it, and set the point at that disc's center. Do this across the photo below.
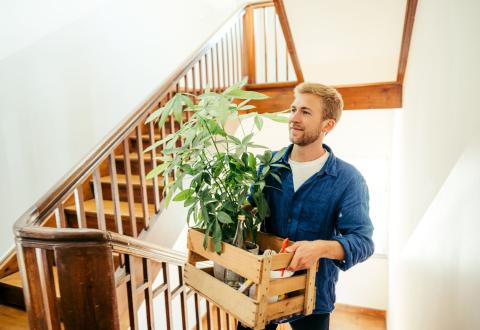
(108, 192)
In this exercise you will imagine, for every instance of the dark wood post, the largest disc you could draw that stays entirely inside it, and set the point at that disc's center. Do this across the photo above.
(87, 286)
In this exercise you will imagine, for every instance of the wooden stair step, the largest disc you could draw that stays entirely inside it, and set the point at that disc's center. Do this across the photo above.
(12, 280)
(122, 180)
(90, 207)
(156, 137)
(134, 157)
(12, 318)
(146, 138)
(11, 291)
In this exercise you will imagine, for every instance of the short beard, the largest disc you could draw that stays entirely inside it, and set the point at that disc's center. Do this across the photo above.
(306, 139)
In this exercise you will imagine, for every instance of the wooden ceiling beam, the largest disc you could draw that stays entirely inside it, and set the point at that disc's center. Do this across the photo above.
(406, 38)
(386, 95)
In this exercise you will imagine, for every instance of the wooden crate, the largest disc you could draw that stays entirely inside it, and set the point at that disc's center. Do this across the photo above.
(256, 312)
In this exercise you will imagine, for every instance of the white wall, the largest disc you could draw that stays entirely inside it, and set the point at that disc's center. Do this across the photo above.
(434, 263)
(347, 41)
(363, 138)
(70, 72)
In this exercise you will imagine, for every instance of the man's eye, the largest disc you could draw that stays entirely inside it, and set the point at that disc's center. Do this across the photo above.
(293, 109)
(306, 113)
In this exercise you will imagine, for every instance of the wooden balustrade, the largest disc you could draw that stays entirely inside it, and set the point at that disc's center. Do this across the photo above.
(271, 56)
(73, 283)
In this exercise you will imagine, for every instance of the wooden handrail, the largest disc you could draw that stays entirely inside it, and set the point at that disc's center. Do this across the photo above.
(119, 243)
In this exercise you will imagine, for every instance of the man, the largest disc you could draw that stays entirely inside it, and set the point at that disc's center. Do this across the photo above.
(322, 203)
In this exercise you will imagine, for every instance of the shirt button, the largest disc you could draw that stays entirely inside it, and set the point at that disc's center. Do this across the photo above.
(289, 220)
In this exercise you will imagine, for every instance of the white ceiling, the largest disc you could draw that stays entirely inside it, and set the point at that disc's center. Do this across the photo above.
(347, 41)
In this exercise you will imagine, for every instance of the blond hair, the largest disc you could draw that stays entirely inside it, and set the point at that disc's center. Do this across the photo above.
(331, 99)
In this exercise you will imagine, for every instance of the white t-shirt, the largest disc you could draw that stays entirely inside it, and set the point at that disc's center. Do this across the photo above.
(303, 170)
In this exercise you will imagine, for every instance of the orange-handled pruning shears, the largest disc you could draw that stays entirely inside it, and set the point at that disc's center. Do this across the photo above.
(282, 250)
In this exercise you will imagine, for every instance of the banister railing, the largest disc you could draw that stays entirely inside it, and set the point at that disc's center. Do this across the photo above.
(78, 251)
(77, 283)
(270, 55)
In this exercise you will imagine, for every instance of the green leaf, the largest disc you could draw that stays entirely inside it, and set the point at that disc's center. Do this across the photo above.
(217, 237)
(242, 94)
(187, 100)
(163, 118)
(183, 195)
(243, 82)
(276, 117)
(154, 115)
(207, 233)
(204, 212)
(258, 122)
(265, 170)
(247, 139)
(156, 171)
(251, 145)
(190, 201)
(171, 143)
(224, 217)
(168, 198)
(153, 146)
(234, 139)
(279, 165)
(247, 107)
(189, 214)
(262, 205)
(279, 155)
(241, 104)
(252, 161)
(267, 156)
(276, 177)
(238, 159)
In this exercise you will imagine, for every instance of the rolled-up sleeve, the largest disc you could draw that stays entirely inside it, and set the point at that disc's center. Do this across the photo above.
(354, 227)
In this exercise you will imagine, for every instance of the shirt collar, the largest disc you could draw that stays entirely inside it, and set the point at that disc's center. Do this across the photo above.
(330, 166)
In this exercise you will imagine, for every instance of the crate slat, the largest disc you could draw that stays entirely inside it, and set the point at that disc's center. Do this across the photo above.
(281, 260)
(282, 286)
(245, 264)
(310, 290)
(269, 241)
(285, 307)
(232, 301)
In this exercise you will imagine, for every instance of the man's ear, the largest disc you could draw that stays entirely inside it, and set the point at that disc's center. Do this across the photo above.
(328, 125)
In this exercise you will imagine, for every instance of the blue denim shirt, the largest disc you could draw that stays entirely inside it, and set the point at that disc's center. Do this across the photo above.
(331, 205)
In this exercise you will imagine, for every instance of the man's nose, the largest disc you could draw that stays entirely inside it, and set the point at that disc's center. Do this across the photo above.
(295, 116)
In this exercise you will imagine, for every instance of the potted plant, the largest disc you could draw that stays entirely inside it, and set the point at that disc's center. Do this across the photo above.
(222, 168)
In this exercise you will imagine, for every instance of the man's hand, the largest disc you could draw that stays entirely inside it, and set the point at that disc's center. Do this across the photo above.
(306, 255)
(308, 252)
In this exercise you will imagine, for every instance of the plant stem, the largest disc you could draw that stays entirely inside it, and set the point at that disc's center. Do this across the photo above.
(241, 126)
(220, 183)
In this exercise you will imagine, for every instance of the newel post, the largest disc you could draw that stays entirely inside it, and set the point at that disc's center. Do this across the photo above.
(87, 286)
(68, 278)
